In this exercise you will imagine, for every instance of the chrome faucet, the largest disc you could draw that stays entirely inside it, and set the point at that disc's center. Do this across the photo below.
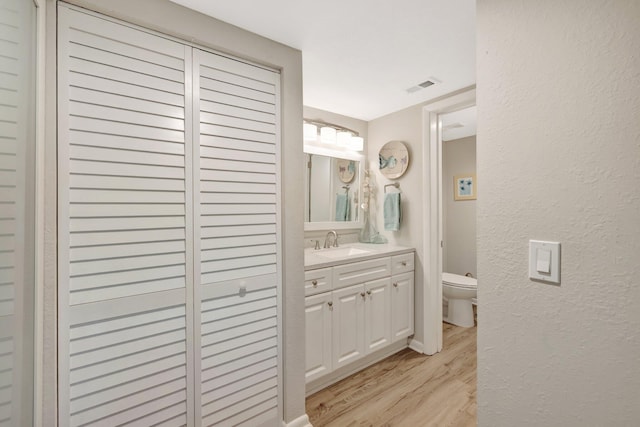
(327, 240)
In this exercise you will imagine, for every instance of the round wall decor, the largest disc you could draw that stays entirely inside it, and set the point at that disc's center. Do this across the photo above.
(346, 170)
(393, 159)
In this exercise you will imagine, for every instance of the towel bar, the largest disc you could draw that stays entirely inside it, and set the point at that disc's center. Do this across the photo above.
(395, 184)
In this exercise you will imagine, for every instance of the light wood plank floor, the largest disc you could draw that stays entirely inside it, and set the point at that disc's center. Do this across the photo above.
(406, 389)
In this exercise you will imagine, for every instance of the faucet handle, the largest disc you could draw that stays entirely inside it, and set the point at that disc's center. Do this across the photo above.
(317, 245)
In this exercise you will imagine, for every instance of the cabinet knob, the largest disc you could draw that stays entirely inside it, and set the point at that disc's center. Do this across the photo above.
(368, 292)
(404, 263)
(395, 285)
(330, 303)
(362, 294)
(314, 283)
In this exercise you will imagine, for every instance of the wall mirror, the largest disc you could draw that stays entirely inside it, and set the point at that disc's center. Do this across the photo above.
(333, 190)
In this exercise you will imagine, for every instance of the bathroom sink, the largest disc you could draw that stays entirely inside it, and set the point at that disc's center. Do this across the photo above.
(341, 252)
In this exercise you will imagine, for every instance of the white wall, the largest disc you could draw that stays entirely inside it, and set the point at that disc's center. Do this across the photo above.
(559, 158)
(406, 126)
(174, 20)
(458, 217)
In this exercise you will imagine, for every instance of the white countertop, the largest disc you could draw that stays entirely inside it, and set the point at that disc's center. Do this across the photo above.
(316, 258)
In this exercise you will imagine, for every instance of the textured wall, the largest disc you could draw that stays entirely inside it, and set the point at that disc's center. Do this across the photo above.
(559, 156)
(458, 217)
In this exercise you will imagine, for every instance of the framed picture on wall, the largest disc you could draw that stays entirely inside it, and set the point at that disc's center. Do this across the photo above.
(465, 187)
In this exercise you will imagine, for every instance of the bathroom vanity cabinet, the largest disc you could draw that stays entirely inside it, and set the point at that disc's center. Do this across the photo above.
(355, 311)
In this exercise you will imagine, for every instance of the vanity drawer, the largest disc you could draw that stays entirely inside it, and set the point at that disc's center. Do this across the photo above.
(402, 263)
(317, 281)
(360, 272)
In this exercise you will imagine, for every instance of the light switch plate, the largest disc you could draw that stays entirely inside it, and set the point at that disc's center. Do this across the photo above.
(537, 249)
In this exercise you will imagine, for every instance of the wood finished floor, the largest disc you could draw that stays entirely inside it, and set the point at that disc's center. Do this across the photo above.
(406, 389)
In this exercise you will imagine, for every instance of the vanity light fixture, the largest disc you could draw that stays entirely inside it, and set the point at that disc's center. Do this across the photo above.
(356, 143)
(332, 135)
(344, 137)
(328, 135)
(310, 132)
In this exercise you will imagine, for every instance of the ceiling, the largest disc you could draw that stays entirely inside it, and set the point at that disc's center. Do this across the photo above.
(459, 124)
(360, 56)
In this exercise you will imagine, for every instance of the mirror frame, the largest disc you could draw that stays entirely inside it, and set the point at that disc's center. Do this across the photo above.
(341, 154)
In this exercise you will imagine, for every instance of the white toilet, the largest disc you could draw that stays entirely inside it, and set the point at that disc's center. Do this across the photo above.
(460, 292)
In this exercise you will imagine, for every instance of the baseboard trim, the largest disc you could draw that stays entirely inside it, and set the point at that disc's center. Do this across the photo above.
(301, 421)
(416, 345)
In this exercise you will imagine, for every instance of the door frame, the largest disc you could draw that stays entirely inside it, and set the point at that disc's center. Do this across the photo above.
(432, 206)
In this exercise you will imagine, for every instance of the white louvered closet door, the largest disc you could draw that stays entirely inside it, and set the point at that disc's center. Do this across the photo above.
(238, 218)
(169, 273)
(17, 222)
(125, 234)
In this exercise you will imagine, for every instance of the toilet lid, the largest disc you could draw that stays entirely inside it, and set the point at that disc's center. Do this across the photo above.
(458, 280)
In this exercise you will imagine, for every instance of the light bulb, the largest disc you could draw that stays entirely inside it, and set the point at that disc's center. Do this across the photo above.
(328, 135)
(310, 132)
(344, 137)
(356, 143)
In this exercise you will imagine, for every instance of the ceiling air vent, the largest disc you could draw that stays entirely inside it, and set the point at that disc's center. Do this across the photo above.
(425, 84)
(452, 126)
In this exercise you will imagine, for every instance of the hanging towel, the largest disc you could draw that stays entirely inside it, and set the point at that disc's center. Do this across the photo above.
(342, 207)
(392, 211)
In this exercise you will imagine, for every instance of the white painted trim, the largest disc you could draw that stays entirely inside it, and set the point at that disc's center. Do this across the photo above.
(38, 374)
(301, 421)
(416, 345)
(432, 237)
(49, 367)
(280, 247)
(64, 398)
(192, 231)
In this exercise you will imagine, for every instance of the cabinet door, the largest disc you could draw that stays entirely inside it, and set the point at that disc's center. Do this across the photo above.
(377, 313)
(401, 306)
(318, 335)
(348, 325)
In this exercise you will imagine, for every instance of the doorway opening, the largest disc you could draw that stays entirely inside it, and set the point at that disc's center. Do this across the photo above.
(433, 213)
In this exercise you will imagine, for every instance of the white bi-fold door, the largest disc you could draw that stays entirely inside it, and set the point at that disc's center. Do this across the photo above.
(168, 194)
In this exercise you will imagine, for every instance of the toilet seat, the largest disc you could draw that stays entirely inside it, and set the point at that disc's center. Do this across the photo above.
(459, 281)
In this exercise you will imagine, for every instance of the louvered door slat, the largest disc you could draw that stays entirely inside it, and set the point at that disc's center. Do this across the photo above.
(130, 90)
(242, 113)
(123, 75)
(114, 100)
(237, 101)
(119, 142)
(235, 144)
(80, 108)
(237, 181)
(88, 52)
(124, 225)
